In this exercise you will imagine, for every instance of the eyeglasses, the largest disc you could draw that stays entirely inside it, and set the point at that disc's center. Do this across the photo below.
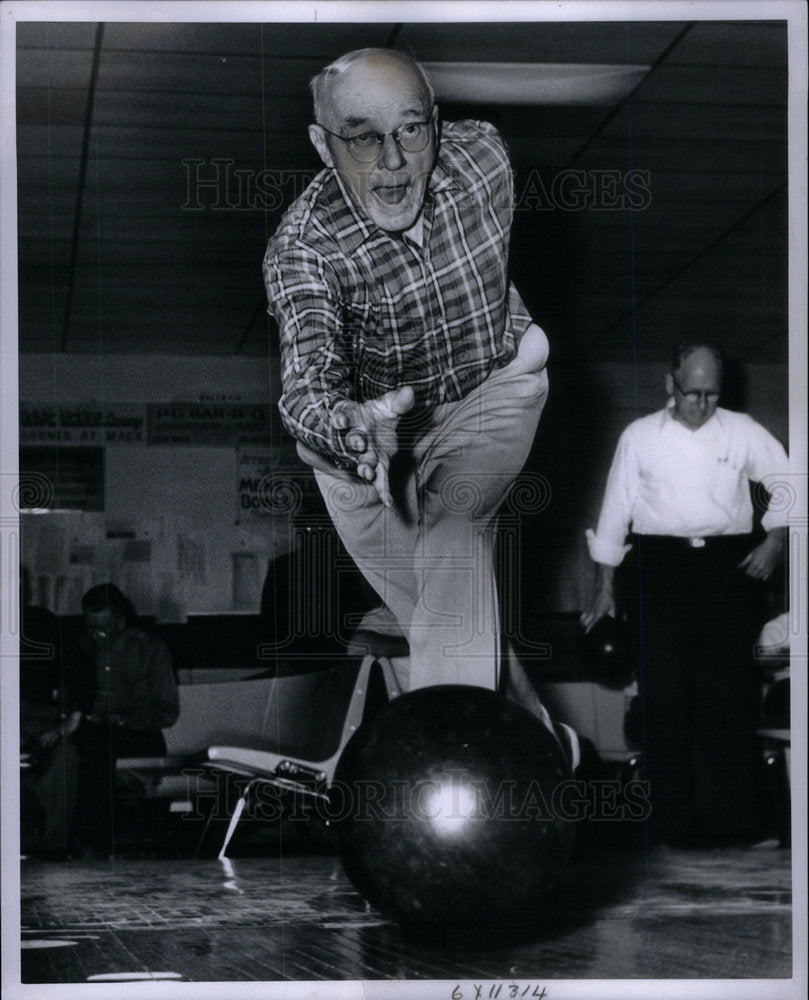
(695, 395)
(412, 137)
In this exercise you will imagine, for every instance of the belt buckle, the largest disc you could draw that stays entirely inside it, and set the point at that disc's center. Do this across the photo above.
(696, 543)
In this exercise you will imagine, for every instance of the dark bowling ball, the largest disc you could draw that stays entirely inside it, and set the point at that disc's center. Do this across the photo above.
(606, 650)
(776, 705)
(448, 808)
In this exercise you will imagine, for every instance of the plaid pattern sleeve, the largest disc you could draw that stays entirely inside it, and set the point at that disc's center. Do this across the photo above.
(361, 311)
(519, 317)
(316, 372)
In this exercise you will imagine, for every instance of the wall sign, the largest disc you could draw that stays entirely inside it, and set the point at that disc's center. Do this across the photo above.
(208, 423)
(82, 424)
(61, 478)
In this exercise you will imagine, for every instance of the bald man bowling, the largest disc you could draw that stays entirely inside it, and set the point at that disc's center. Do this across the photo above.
(413, 375)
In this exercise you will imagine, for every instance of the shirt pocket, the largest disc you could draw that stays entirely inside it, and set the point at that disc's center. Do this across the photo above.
(728, 480)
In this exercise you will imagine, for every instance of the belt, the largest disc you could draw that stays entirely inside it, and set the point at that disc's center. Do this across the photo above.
(693, 541)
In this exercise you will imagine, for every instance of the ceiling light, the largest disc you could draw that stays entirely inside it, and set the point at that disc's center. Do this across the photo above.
(533, 83)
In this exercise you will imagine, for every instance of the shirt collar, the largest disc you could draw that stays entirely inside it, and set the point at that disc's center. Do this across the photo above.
(667, 417)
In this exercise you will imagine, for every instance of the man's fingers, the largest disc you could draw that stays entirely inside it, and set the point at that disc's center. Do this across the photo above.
(396, 402)
(381, 484)
(403, 400)
(759, 571)
(370, 435)
(357, 441)
(588, 620)
(596, 611)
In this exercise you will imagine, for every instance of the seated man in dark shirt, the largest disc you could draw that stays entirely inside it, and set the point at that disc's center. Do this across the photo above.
(135, 697)
(54, 685)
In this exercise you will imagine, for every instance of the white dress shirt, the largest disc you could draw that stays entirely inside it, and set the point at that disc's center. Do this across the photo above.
(666, 479)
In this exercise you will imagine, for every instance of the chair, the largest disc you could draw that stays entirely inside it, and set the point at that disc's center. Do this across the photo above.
(774, 726)
(316, 716)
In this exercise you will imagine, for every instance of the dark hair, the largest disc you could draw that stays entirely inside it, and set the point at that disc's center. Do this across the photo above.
(106, 597)
(686, 348)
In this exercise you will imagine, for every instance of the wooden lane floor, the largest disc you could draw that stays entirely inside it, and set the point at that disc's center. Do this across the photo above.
(615, 914)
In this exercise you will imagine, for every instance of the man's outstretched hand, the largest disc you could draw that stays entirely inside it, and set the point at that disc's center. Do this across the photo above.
(370, 435)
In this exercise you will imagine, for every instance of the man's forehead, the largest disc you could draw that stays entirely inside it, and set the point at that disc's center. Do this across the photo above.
(100, 617)
(701, 366)
(355, 117)
(367, 91)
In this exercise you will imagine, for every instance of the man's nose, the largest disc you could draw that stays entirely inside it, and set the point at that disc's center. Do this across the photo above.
(391, 156)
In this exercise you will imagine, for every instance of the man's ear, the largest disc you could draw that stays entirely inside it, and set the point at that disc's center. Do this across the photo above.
(670, 384)
(318, 137)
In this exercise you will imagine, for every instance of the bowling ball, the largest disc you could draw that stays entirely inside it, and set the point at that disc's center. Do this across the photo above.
(776, 705)
(449, 811)
(606, 651)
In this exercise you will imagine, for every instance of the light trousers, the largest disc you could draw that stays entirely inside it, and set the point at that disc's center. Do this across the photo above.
(430, 556)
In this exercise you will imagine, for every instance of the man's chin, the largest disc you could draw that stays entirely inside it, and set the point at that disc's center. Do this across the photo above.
(394, 218)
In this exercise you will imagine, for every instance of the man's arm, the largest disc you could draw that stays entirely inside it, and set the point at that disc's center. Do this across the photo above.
(603, 602)
(69, 725)
(767, 462)
(317, 367)
(161, 708)
(606, 545)
(761, 562)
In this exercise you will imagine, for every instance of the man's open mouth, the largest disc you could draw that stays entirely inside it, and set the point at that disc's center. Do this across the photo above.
(391, 194)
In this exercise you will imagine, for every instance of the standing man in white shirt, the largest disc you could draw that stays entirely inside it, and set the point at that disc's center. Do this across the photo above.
(691, 587)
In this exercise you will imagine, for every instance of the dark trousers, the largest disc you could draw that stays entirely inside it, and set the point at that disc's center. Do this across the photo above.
(48, 786)
(100, 746)
(696, 618)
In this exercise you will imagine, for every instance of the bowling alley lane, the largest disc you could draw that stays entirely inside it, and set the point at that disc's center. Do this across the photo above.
(617, 913)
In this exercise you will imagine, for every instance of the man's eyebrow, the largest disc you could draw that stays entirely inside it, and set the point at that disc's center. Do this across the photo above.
(355, 121)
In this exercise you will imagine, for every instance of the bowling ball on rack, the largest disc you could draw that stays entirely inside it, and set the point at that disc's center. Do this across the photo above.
(606, 652)
(452, 813)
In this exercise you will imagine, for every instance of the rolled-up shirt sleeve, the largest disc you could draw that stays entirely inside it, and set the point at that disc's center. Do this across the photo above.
(316, 374)
(768, 465)
(607, 544)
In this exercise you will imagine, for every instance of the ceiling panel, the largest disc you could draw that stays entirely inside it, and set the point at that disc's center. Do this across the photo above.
(180, 150)
(564, 42)
(733, 43)
(727, 84)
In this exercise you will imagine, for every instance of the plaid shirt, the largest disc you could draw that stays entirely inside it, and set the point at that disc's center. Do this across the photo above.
(361, 312)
